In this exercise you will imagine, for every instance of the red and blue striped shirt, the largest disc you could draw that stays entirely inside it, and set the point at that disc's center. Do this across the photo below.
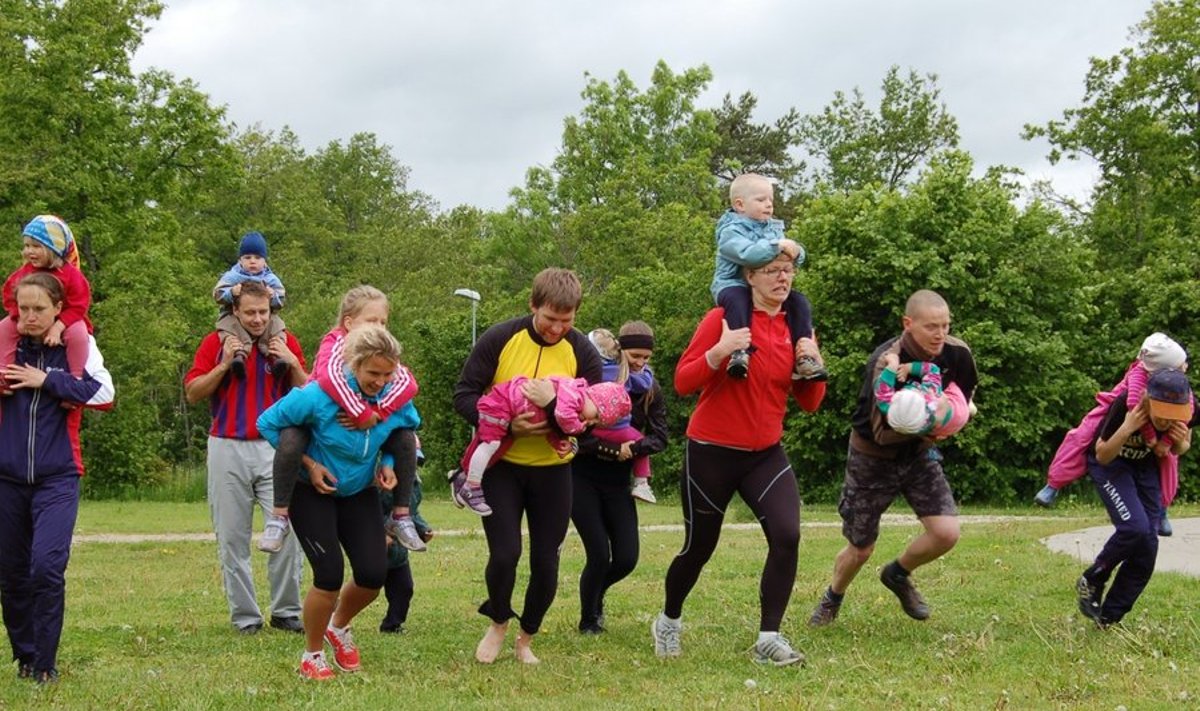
(237, 402)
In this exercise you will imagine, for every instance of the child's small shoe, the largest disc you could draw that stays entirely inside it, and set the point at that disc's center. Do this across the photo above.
(275, 530)
(641, 491)
(238, 365)
(807, 368)
(404, 531)
(1164, 526)
(739, 364)
(279, 368)
(1046, 497)
(465, 495)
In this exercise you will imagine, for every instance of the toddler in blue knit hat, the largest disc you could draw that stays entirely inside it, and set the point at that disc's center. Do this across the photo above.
(250, 266)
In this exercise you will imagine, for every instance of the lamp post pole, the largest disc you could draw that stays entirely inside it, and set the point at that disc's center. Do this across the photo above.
(474, 297)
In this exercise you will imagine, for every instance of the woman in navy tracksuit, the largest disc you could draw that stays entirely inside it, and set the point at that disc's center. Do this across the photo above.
(40, 468)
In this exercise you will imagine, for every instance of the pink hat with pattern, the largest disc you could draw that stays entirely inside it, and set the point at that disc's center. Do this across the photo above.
(611, 400)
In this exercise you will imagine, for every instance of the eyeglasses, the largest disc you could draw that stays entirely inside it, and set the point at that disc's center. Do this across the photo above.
(774, 272)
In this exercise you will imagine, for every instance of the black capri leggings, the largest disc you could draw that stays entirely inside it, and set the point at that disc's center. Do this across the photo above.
(322, 522)
(543, 495)
(606, 519)
(765, 481)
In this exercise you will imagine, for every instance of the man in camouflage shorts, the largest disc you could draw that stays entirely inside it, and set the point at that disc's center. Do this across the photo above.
(883, 464)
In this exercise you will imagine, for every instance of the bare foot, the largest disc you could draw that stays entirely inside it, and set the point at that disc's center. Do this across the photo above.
(489, 647)
(522, 649)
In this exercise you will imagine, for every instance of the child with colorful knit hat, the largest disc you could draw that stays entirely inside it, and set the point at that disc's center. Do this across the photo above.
(50, 247)
(250, 266)
(577, 406)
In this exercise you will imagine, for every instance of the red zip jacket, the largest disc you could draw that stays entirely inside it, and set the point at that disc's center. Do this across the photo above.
(744, 414)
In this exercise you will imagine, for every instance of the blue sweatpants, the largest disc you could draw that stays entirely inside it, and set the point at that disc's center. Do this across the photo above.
(36, 522)
(1130, 492)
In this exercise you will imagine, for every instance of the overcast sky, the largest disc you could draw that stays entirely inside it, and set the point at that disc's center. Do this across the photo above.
(470, 93)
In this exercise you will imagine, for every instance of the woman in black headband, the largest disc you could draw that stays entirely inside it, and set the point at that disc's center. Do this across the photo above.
(604, 513)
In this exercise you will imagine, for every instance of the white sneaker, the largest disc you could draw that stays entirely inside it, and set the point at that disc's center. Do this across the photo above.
(666, 636)
(275, 530)
(642, 491)
(777, 651)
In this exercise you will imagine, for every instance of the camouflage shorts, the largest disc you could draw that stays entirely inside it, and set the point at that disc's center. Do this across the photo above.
(872, 484)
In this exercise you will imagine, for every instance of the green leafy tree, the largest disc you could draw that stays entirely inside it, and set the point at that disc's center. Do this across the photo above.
(858, 145)
(749, 147)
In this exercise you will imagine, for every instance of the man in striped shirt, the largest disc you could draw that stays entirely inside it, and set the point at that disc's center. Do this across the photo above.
(239, 459)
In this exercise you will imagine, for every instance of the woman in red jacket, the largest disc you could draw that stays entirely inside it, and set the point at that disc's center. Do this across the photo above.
(733, 446)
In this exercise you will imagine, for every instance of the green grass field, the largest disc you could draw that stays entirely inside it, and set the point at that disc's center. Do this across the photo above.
(147, 628)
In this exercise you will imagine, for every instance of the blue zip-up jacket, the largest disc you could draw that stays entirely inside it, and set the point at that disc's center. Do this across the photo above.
(350, 455)
(38, 438)
(742, 242)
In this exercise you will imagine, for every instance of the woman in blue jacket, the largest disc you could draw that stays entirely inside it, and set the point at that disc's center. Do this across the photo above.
(335, 506)
(39, 477)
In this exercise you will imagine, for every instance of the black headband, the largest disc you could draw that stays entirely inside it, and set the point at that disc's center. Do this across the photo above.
(636, 340)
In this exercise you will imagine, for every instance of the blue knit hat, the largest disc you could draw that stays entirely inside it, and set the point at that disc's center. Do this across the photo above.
(50, 231)
(253, 243)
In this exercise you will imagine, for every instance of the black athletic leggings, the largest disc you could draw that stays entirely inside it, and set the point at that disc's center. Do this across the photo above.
(293, 441)
(765, 481)
(543, 495)
(605, 517)
(326, 525)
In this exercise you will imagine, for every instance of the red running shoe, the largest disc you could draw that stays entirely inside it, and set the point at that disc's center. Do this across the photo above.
(315, 668)
(345, 653)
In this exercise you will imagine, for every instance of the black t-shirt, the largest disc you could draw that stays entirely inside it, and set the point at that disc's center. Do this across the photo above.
(1134, 449)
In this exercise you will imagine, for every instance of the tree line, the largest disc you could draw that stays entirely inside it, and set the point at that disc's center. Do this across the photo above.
(1054, 296)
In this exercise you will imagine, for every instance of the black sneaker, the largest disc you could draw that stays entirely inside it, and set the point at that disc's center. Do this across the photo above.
(250, 629)
(739, 364)
(1089, 598)
(910, 600)
(25, 670)
(287, 624)
(45, 678)
(825, 612)
(238, 365)
(1164, 526)
(391, 627)
(280, 368)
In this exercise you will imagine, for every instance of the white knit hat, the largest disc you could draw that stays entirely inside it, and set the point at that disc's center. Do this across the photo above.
(1159, 352)
(909, 413)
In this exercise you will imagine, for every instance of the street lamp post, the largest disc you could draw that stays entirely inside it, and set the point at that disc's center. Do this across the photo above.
(474, 297)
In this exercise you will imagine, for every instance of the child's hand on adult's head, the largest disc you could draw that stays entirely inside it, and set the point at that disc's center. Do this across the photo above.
(789, 247)
(236, 290)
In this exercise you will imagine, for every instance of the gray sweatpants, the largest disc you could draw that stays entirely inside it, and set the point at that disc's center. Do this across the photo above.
(239, 476)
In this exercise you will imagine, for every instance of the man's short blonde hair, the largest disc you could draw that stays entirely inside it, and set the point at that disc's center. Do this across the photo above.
(368, 341)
